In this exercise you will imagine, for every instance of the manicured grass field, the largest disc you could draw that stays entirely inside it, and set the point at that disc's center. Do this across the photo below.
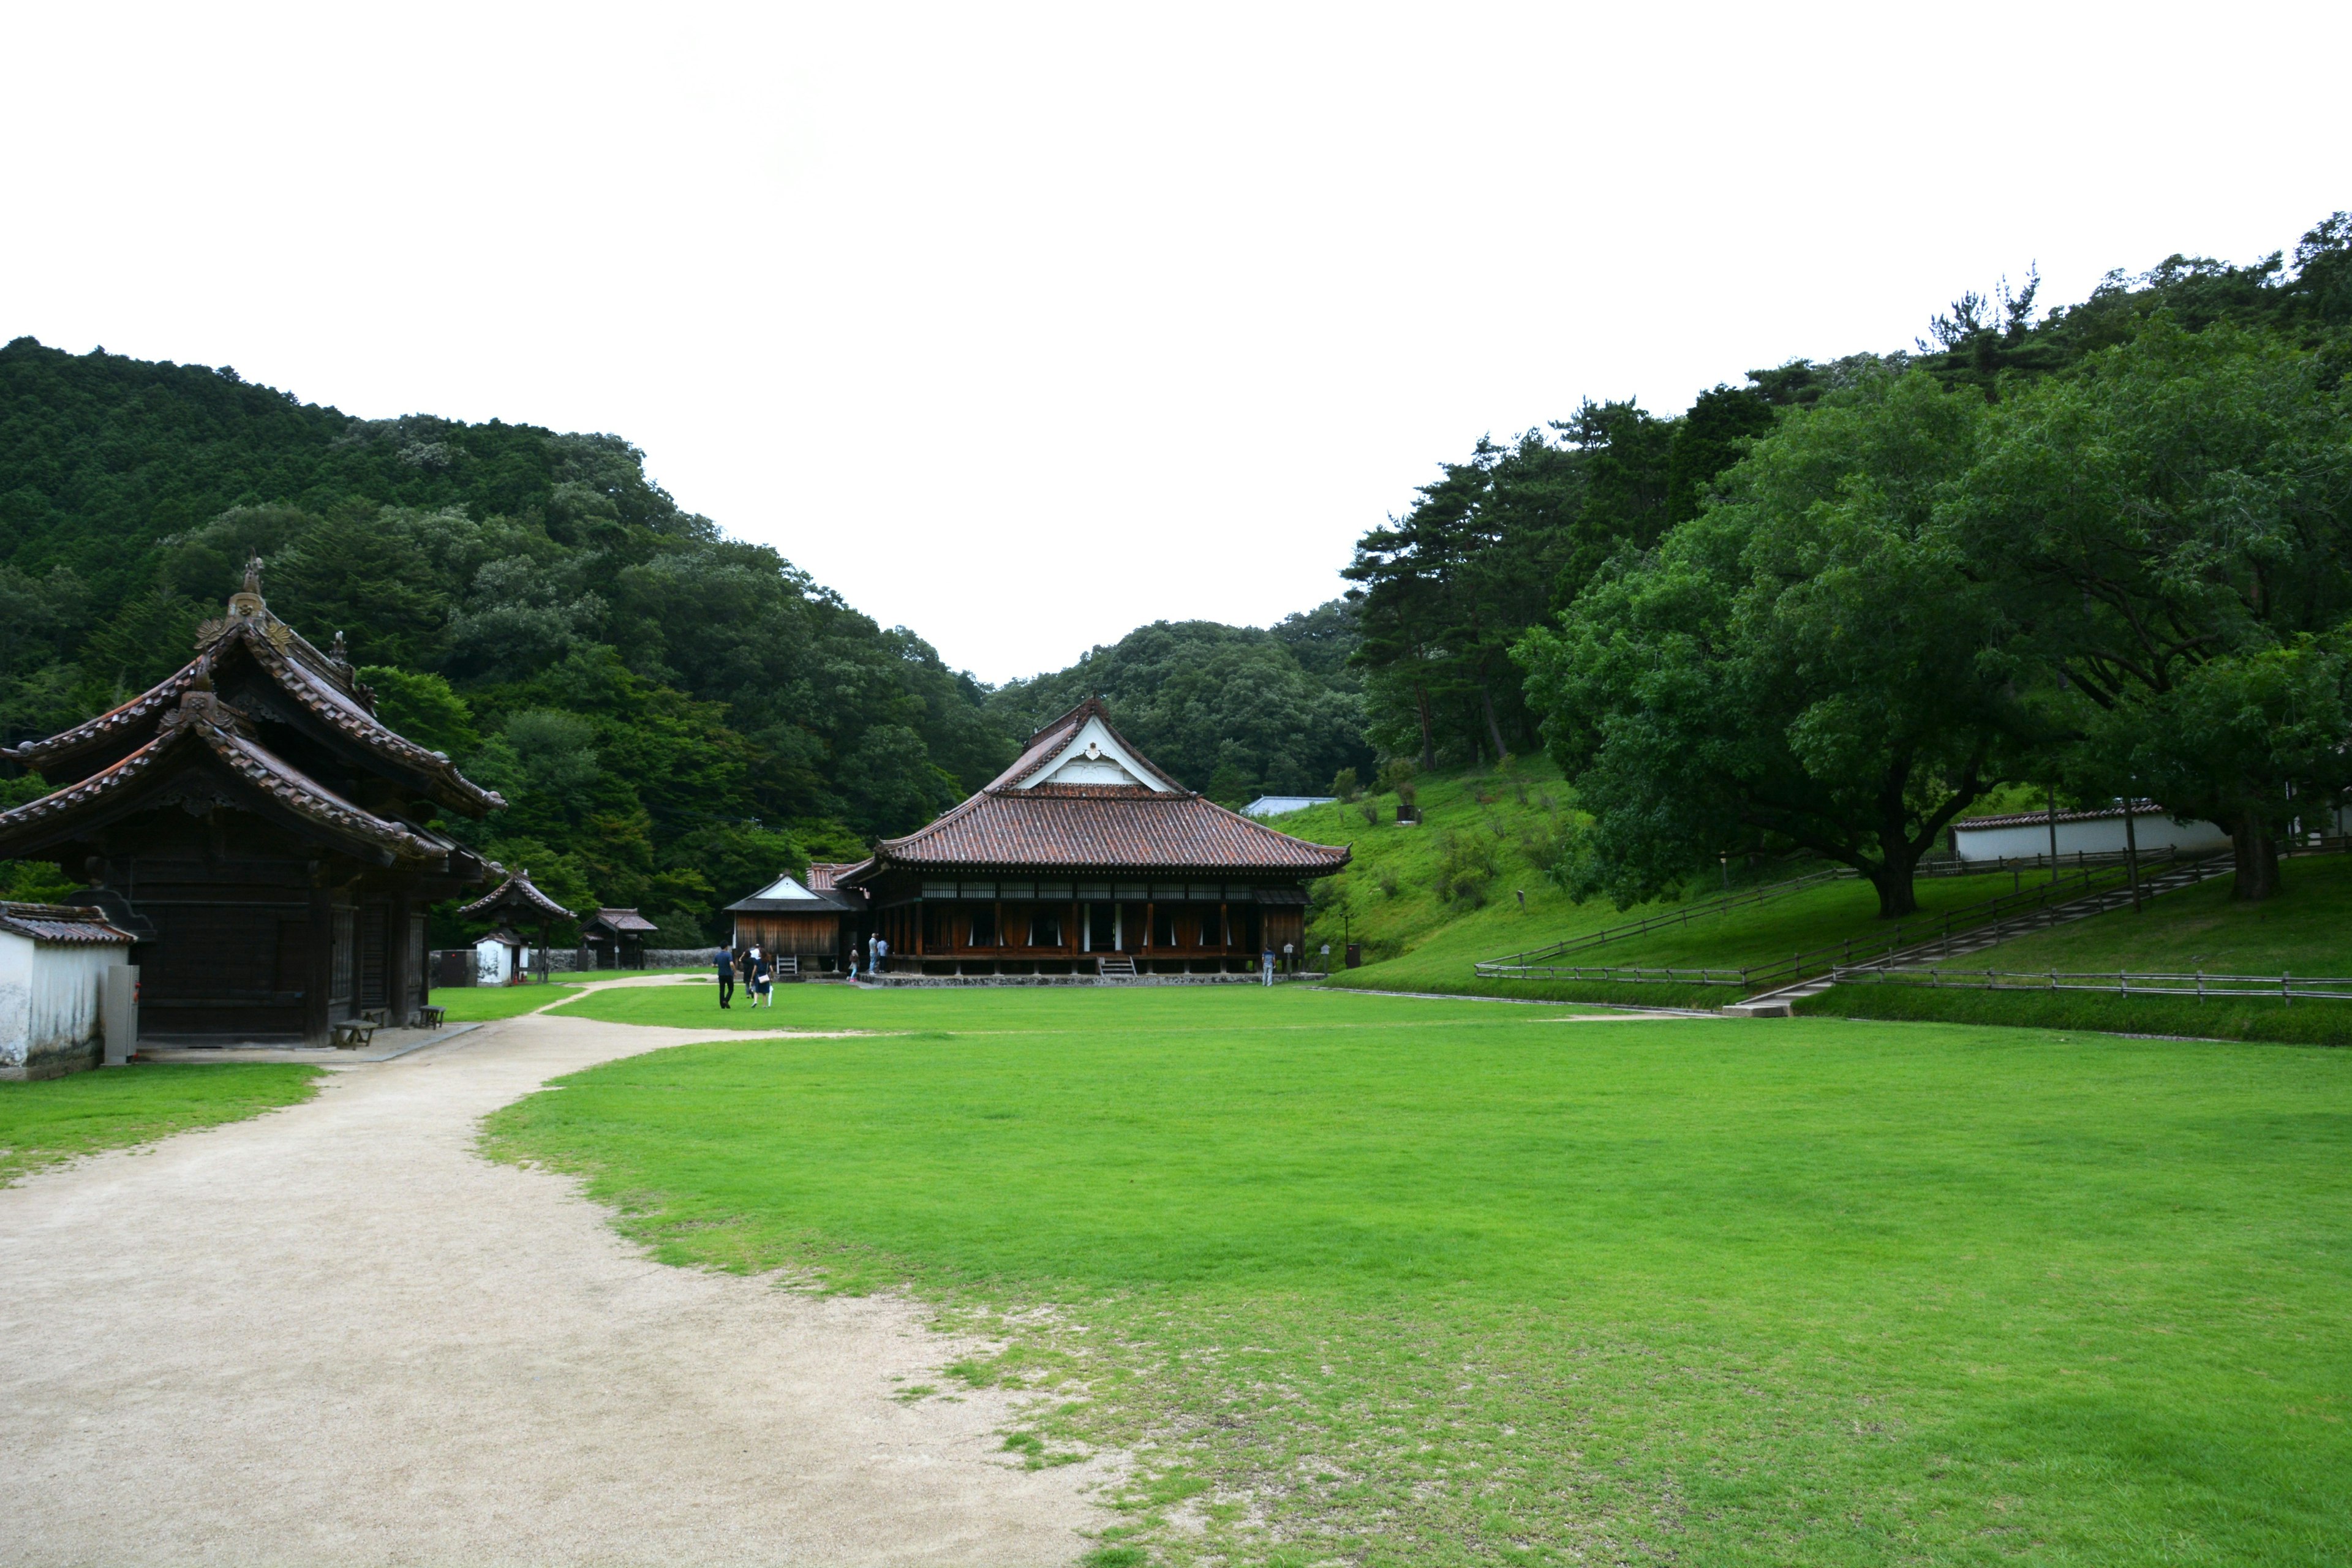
(42, 1123)
(1396, 1281)
(476, 1003)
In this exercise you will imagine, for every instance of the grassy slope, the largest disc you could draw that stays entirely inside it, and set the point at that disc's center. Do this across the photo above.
(43, 1124)
(1443, 1282)
(2305, 928)
(1415, 940)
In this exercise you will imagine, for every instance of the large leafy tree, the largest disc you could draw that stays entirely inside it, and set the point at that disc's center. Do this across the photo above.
(2171, 520)
(1811, 662)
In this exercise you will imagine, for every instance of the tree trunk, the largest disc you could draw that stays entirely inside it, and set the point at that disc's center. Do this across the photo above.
(1428, 741)
(2257, 857)
(1494, 730)
(1897, 896)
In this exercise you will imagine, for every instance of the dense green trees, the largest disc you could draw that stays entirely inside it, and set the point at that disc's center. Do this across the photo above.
(1232, 710)
(676, 716)
(2110, 552)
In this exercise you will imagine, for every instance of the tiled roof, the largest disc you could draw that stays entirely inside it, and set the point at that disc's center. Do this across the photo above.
(1047, 744)
(318, 683)
(822, 874)
(201, 718)
(621, 920)
(2040, 818)
(67, 925)
(1079, 825)
(516, 895)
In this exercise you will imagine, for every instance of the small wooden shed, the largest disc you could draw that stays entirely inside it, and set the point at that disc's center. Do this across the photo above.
(615, 939)
(792, 918)
(54, 964)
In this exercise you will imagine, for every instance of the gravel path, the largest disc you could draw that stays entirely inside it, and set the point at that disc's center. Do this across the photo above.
(334, 1335)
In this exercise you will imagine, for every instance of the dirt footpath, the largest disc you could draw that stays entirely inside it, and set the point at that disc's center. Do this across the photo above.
(335, 1334)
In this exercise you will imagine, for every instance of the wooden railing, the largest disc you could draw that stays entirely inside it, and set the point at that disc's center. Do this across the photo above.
(2121, 983)
(1719, 904)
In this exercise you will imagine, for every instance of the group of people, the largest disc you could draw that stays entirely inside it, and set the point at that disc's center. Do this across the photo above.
(756, 969)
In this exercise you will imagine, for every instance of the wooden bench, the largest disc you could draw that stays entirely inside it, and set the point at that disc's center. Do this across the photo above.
(352, 1034)
(431, 1018)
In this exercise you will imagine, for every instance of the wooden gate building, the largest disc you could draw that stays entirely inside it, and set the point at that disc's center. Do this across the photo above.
(268, 838)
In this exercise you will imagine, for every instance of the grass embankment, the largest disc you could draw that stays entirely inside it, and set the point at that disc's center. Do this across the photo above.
(64, 1118)
(1395, 898)
(2304, 929)
(1432, 1282)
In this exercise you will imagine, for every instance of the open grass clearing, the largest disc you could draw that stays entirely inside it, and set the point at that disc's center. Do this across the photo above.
(1388, 1281)
(64, 1118)
(480, 1004)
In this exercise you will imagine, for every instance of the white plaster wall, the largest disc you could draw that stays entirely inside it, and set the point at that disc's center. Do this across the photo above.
(2096, 836)
(491, 965)
(16, 999)
(50, 1000)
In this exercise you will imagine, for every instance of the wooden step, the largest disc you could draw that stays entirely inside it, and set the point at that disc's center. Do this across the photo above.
(1112, 966)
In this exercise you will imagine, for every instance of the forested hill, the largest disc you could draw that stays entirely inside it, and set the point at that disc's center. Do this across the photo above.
(676, 715)
(1232, 710)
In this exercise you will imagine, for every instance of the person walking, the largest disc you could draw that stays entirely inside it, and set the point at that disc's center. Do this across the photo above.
(875, 952)
(726, 961)
(763, 980)
(1265, 964)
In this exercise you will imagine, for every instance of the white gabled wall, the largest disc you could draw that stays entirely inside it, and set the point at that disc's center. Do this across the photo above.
(1095, 756)
(51, 999)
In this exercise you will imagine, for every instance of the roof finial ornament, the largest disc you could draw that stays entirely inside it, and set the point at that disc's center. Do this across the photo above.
(246, 602)
(339, 653)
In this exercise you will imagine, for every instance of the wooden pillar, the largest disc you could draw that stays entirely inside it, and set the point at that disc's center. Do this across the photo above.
(1070, 943)
(396, 978)
(319, 965)
(1150, 918)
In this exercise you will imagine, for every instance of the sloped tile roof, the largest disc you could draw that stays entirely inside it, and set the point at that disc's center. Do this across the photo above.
(66, 925)
(517, 894)
(1103, 828)
(203, 719)
(320, 685)
(1094, 827)
(621, 920)
(824, 874)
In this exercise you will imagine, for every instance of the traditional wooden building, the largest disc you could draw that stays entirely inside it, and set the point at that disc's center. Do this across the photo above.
(269, 839)
(505, 956)
(811, 920)
(1083, 856)
(615, 939)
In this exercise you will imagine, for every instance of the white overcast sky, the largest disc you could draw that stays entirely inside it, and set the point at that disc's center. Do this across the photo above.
(1024, 325)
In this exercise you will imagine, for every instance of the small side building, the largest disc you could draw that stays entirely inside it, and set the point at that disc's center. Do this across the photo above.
(2021, 836)
(54, 960)
(615, 939)
(792, 918)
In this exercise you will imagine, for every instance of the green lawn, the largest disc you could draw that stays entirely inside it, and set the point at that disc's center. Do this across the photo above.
(1390, 1281)
(476, 1003)
(42, 1123)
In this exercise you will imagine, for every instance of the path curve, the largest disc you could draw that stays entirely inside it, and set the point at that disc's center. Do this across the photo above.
(335, 1334)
